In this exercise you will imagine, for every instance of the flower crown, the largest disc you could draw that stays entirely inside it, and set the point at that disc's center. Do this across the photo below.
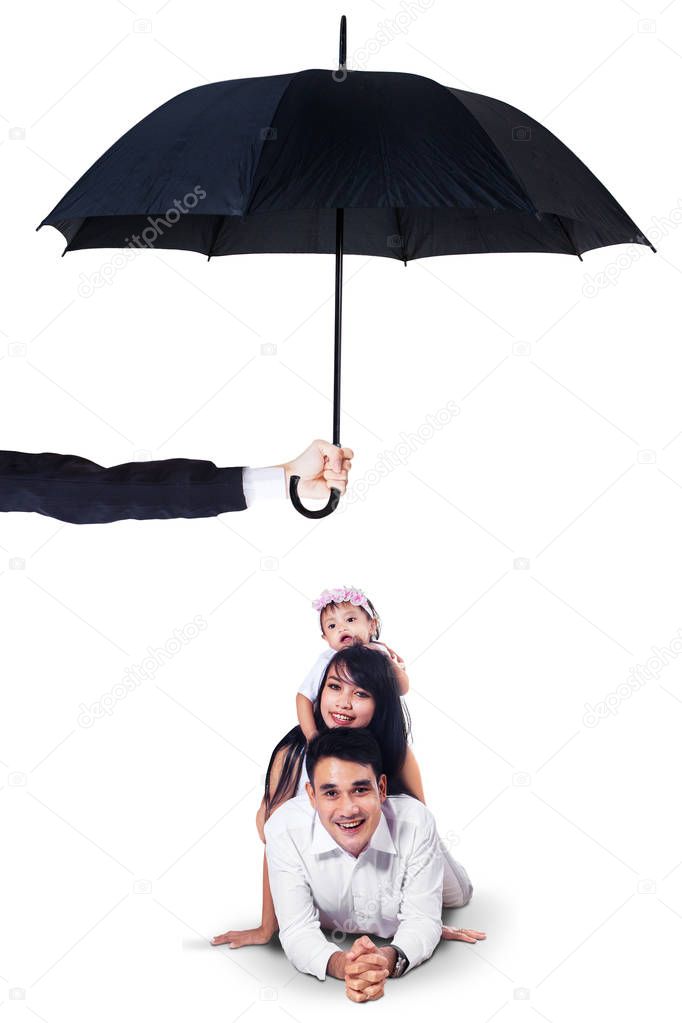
(343, 595)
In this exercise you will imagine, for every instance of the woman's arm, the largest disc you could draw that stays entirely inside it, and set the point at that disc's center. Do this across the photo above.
(258, 935)
(275, 775)
(411, 776)
(306, 719)
(261, 935)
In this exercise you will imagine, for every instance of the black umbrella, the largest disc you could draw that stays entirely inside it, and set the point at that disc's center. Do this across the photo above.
(371, 163)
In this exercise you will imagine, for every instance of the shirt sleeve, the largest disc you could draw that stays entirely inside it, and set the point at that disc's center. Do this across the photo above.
(264, 484)
(304, 944)
(311, 683)
(74, 489)
(420, 912)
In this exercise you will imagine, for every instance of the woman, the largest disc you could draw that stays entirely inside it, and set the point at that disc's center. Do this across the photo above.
(359, 690)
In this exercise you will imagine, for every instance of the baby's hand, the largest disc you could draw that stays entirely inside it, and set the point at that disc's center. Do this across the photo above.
(394, 657)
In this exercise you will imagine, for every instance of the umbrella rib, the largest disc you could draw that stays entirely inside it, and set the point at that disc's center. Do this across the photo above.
(247, 205)
(503, 157)
(400, 233)
(75, 235)
(216, 232)
(567, 235)
(384, 163)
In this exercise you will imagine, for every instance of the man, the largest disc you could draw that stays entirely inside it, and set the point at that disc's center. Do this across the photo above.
(73, 489)
(354, 861)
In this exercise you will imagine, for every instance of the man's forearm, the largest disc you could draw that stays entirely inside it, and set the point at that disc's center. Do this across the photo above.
(336, 967)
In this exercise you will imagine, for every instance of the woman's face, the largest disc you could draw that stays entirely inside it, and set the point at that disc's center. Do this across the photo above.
(343, 704)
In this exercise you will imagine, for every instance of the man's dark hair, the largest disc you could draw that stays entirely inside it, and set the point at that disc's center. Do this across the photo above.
(356, 745)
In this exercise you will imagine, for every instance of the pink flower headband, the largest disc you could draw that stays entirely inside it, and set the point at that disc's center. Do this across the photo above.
(343, 595)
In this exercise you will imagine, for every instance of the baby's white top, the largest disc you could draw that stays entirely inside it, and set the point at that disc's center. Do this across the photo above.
(311, 683)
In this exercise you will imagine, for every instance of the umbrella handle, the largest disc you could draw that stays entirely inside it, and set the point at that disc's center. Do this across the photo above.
(318, 513)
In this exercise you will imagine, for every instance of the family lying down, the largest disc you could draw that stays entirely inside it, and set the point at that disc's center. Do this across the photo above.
(350, 845)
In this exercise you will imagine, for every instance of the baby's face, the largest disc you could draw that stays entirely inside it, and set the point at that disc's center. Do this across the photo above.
(344, 624)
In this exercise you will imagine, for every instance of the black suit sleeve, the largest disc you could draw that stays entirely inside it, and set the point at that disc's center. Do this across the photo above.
(74, 489)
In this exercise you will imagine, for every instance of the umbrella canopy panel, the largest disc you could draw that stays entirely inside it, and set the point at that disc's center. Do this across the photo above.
(261, 165)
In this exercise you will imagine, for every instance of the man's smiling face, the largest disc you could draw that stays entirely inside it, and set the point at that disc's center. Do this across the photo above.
(348, 798)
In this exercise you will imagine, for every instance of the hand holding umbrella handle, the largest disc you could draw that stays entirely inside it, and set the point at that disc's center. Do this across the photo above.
(318, 513)
(322, 468)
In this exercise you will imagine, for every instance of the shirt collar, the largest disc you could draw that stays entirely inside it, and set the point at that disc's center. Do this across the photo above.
(323, 842)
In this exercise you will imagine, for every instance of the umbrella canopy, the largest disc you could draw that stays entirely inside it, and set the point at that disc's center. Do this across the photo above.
(262, 164)
(363, 162)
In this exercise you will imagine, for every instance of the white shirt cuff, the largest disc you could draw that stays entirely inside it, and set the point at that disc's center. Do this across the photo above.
(263, 484)
(318, 964)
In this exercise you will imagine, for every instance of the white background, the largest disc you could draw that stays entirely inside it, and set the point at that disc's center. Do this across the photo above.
(569, 456)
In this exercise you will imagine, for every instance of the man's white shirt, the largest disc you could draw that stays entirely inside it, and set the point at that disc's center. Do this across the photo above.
(263, 484)
(393, 889)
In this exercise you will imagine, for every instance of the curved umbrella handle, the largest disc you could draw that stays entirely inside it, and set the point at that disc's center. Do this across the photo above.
(317, 513)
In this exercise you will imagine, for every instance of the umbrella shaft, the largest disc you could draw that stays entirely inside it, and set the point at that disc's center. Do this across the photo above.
(336, 425)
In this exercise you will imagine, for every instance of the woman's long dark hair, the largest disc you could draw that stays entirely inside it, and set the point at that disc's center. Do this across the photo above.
(372, 671)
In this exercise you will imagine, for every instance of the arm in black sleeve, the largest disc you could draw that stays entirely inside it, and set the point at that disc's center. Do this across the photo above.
(73, 489)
